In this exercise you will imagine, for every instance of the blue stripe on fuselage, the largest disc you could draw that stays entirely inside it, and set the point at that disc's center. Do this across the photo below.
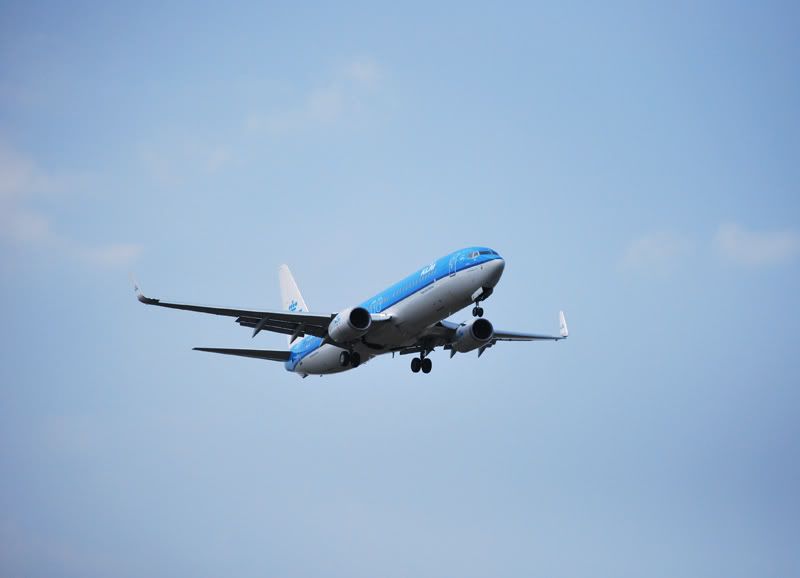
(439, 269)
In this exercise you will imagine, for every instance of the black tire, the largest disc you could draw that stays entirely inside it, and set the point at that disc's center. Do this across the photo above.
(416, 364)
(479, 311)
(474, 311)
(344, 359)
(427, 365)
(355, 359)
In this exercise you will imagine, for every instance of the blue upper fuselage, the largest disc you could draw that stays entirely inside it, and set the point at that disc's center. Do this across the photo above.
(435, 270)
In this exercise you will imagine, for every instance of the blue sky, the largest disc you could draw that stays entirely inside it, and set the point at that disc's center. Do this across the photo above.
(636, 165)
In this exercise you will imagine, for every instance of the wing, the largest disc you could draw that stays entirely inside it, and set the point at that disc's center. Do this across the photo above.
(257, 353)
(514, 336)
(287, 322)
(444, 333)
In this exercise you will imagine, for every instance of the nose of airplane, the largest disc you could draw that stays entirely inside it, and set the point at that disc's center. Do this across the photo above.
(494, 270)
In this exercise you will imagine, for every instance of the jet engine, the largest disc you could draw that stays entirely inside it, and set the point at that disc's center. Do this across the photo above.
(472, 335)
(350, 324)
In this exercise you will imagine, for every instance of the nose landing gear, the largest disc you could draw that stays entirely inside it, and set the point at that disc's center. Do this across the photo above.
(481, 295)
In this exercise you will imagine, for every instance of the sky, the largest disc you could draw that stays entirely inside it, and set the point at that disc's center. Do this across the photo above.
(635, 163)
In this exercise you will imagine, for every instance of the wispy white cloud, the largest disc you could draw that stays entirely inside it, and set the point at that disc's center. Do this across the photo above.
(324, 105)
(659, 252)
(365, 72)
(756, 248)
(172, 160)
(21, 182)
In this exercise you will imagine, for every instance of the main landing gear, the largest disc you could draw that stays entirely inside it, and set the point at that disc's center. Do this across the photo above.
(477, 311)
(422, 363)
(352, 359)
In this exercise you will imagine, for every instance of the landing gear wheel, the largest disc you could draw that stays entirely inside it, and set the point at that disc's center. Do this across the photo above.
(427, 365)
(344, 358)
(416, 364)
(477, 311)
(355, 359)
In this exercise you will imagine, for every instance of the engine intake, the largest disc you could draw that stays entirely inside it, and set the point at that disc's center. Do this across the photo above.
(350, 324)
(472, 335)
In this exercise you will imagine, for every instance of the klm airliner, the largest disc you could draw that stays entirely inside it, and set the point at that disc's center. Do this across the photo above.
(408, 318)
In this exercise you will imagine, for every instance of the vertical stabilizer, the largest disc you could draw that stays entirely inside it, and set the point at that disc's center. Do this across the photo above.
(291, 299)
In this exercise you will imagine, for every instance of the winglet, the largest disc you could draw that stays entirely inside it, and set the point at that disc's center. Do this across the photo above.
(141, 296)
(562, 325)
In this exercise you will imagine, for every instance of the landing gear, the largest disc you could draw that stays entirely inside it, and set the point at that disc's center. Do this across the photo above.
(477, 311)
(352, 359)
(422, 363)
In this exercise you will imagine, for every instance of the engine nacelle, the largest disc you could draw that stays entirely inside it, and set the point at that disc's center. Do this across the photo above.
(474, 334)
(349, 325)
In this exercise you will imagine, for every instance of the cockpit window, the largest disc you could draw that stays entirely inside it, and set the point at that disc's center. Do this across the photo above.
(474, 254)
(487, 252)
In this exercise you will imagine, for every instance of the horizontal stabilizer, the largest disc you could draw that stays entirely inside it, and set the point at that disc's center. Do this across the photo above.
(256, 353)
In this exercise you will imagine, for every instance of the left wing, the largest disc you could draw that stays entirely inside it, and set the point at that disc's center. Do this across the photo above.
(290, 323)
(287, 322)
(256, 353)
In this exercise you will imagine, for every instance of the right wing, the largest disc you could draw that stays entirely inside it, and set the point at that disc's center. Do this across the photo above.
(443, 334)
(515, 336)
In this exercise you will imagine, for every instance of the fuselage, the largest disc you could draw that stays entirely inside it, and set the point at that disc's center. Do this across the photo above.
(425, 297)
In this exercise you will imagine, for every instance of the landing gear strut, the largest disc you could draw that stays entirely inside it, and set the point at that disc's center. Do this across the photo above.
(483, 295)
(422, 363)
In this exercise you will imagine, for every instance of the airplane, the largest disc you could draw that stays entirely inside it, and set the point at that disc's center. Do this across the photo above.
(408, 318)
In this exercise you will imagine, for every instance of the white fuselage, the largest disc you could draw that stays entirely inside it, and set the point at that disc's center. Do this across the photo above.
(411, 316)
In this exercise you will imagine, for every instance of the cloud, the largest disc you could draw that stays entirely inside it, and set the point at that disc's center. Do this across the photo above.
(21, 183)
(172, 160)
(756, 248)
(364, 72)
(323, 105)
(659, 252)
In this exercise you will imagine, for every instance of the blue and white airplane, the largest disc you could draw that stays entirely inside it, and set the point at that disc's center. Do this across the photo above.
(407, 318)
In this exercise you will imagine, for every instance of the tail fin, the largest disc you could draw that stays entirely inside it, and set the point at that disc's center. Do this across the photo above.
(291, 299)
